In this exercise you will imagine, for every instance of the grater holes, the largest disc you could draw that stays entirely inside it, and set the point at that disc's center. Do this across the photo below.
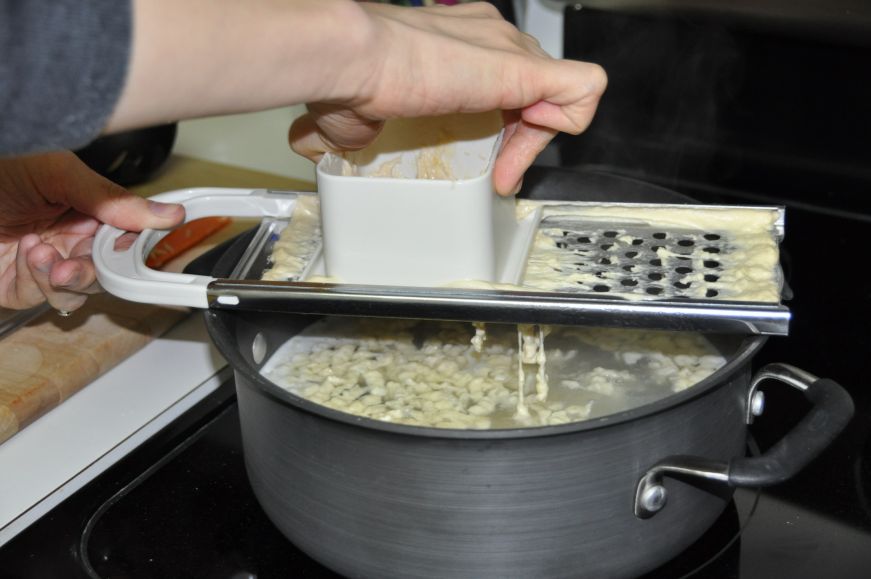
(625, 261)
(711, 293)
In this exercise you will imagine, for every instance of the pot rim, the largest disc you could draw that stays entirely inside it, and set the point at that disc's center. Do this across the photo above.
(219, 333)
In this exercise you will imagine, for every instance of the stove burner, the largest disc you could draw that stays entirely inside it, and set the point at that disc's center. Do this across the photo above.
(192, 514)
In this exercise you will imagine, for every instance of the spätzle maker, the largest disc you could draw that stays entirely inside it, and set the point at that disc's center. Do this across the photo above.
(411, 228)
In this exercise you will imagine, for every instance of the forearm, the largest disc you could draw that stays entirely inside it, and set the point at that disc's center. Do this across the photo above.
(196, 58)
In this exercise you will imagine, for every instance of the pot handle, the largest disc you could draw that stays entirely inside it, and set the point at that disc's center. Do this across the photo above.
(123, 272)
(831, 412)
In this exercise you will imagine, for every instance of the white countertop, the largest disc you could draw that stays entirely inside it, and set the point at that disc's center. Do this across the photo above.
(104, 421)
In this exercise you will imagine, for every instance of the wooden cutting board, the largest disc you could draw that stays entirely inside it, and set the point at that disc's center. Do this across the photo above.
(47, 361)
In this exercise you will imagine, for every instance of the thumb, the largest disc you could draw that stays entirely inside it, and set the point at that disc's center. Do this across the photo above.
(110, 203)
(330, 128)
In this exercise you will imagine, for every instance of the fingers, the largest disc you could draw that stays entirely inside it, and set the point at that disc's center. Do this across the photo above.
(110, 203)
(568, 99)
(24, 292)
(519, 149)
(571, 111)
(77, 273)
(328, 128)
(64, 283)
(43, 274)
(305, 139)
(94, 195)
(125, 241)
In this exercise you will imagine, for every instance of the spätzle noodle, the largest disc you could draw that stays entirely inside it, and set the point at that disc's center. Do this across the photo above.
(430, 374)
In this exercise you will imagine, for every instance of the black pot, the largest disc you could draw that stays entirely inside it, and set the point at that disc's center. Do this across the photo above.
(131, 157)
(374, 499)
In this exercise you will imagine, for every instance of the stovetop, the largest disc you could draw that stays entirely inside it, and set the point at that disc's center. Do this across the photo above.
(180, 505)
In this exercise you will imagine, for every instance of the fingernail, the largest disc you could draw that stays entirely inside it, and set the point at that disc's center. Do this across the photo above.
(517, 187)
(163, 209)
(45, 266)
(73, 281)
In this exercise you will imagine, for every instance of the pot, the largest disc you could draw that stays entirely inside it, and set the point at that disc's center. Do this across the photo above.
(131, 157)
(610, 497)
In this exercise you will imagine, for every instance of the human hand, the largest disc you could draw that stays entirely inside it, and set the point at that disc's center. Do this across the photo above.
(52, 206)
(357, 65)
(465, 58)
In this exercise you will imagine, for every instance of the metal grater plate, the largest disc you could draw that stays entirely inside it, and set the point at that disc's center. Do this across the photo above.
(624, 260)
(609, 272)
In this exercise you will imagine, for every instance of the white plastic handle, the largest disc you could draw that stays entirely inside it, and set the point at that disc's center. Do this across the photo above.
(124, 273)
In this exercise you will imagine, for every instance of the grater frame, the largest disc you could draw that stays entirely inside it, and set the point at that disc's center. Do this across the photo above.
(496, 305)
(123, 273)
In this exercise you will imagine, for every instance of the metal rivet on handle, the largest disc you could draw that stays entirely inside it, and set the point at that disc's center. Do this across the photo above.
(757, 403)
(258, 348)
(653, 498)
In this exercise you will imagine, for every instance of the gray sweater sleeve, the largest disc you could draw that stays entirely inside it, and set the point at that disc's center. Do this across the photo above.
(62, 68)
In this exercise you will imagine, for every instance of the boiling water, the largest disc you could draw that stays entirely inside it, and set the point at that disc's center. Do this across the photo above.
(430, 374)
